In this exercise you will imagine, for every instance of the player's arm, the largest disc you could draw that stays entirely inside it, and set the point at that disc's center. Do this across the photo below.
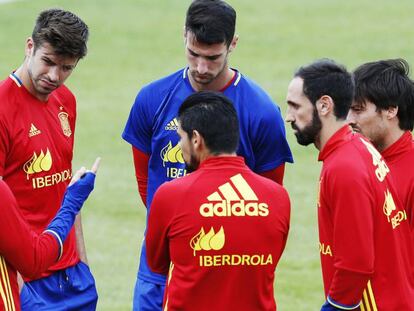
(80, 241)
(270, 146)
(138, 132)
(157, 239)
(141, 160)
(276, 174)
(353, 243)
(29, 252)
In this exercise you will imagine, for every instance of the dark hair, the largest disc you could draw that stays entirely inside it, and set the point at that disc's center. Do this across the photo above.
(211, 21)
(64, 31)
(386, 84)
(325, 77)
(213, 115)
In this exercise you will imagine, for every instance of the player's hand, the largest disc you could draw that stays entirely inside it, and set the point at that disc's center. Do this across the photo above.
(82, 171)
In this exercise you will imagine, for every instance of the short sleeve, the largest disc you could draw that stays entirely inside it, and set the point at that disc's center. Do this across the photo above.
(138, 128)
(270, 145)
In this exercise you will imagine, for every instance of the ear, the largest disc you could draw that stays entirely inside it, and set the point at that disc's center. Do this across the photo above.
(197, 140)
(233, 43)
(325, 105)
(29, 47)
(391, 112)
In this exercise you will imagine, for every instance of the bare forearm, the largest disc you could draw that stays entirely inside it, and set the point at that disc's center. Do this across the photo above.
(80, 243)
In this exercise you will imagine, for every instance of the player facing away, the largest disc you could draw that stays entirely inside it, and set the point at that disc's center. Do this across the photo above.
(364, 235)
(383, 111)
(219, 232)
(27, 251)
(37, 125)
(151, 127)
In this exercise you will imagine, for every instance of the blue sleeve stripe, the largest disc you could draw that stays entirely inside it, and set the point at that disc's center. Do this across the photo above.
(341, 306)
(58, 239)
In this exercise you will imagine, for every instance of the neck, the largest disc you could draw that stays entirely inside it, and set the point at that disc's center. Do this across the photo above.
(208, 155)
(393, 134)
(23, 74)
(329, 128)
(217, 84)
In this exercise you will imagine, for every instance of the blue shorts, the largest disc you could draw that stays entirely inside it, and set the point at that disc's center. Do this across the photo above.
(72, 288)
(148, 296)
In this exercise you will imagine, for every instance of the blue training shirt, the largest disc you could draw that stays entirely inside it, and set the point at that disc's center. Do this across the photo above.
(152, 125)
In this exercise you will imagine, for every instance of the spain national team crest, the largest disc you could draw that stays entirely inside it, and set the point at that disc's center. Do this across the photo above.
(64, 123)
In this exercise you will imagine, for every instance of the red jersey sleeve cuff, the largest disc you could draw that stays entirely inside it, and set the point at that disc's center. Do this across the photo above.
(58, 239)
(341, 306)
(347, 288)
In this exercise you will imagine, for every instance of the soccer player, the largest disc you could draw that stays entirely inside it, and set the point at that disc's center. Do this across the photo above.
(364, 240)
(151, 128)
(383, 111)
(219, 232)
(37, 125)
(30, 253)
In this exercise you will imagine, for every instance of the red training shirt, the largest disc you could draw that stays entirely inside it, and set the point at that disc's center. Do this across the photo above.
(219, 232)
(400, 159)
(36, 149)
(363, 229)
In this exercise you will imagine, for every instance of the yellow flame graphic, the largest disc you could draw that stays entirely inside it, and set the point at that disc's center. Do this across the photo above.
(389, 205)
(209, 241)
(37, 164)
(217, 241)
(172, 154)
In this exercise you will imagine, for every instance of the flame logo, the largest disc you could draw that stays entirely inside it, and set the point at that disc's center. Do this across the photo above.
(172, 154)
(38, 163)
(209, 241)
(389, 205)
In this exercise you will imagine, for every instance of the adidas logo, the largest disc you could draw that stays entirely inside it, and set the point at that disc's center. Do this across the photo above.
(172, 125)
(234, 198)
(34, 131)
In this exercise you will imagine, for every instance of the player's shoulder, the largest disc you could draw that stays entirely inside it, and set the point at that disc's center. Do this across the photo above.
(160, 87)
(354, 157)
(8, 95)
(180, 184)
(254, 95)
(63, 93)
(267, 184)
(251, 87)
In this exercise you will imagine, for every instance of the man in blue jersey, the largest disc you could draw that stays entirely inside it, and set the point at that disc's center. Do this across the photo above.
(152, 124)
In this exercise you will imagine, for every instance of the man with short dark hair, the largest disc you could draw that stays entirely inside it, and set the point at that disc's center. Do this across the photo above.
(218, 232)
(383, 111)
(364, 235)
(151, 128)
(37, 124)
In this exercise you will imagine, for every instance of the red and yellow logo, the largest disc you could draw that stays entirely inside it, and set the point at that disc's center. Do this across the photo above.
(208, 241)
(38, 163)
(42, 162)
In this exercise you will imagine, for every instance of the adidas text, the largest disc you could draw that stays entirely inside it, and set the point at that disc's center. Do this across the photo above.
(238, 208)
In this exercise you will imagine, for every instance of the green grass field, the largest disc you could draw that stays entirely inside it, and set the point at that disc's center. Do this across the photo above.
(133, 42)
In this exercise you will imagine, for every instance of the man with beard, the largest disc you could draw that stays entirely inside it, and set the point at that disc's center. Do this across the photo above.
(219, 232)
(37, 125)
(151, 128)
(364, 237)
(383, 111)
